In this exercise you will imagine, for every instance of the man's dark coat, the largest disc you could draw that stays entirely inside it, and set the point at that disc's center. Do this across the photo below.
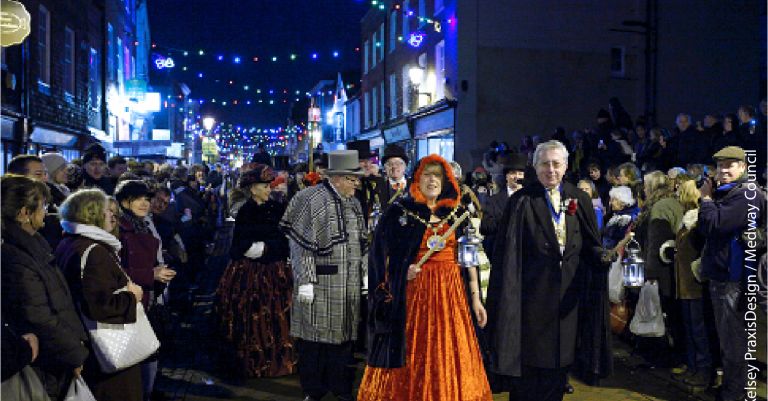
(540, 312)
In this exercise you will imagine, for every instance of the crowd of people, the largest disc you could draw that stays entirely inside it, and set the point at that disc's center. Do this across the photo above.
(336, 257)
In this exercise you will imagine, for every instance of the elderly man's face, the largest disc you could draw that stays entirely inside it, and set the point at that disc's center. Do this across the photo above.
(682, 122)
(346, 184)
(395, 168)
(515, 179)
(551, 167)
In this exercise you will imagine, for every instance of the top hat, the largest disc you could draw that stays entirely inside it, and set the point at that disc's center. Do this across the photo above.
(363, 148)
(343, 162)
(516, 162)
(393, 150)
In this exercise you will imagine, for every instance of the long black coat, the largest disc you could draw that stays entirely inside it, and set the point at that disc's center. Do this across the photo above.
(541, 304)
(259, 223)
(492, 216)
(35, 295)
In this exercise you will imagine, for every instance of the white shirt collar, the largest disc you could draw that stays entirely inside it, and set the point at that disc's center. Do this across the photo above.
(402, 180)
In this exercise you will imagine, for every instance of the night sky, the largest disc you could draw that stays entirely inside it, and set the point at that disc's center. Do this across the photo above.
(248, 28)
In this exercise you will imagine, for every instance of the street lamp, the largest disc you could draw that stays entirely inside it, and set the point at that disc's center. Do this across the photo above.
(208, 123)
(416, 75)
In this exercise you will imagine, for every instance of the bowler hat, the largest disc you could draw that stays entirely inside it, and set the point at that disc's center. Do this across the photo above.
(343, 162)
(730, 153)
(393, 150)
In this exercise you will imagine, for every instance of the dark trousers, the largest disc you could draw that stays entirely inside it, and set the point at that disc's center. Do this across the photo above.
(733, 339)
(696, 339)
(326, 367)
(539, 384)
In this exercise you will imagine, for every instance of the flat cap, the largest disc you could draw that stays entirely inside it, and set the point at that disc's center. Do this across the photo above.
(730, 153)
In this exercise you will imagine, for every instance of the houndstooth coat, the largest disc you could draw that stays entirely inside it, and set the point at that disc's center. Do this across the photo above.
(328, 243)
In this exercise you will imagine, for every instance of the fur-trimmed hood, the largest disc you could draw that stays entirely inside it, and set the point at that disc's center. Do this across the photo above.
(449, 197)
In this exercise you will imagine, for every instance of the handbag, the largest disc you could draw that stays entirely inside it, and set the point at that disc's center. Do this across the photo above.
(79, 391)
(122, 345)
(649, 319)
(23, 386)
(616, 282)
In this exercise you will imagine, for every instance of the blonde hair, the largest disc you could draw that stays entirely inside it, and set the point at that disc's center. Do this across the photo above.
(689, 195)
(658, 186)
(86, 206)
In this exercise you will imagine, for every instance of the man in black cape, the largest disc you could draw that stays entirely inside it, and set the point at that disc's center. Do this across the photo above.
(547, 294)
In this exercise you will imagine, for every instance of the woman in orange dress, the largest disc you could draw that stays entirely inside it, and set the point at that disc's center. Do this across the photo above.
(422, 343)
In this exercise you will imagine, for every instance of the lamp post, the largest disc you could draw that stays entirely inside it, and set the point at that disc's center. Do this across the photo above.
(208, 123)
(416, 75)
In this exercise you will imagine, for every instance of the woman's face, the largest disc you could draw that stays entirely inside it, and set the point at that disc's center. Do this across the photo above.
(431, 183)
(728, 124)
(37, 216)
(260, 192)
(59, 176)
(139, 206)
(110, 222)
(616, 204)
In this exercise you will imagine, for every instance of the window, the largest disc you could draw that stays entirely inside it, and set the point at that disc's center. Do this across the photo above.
(440, 70)
(94, 79)
(375, 107)
(438, 6)
(44, 46)
(383, 109)
(422, 11)
(392, 31)
(406, 21)
(618, 58)
(380, 45)
(365, 57)
(69, 61)
(373, 50)
(392, 96)
(406, 83)
(367, 110)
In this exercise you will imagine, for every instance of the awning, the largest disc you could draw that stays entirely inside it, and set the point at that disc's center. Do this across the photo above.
(48, 136)
(439, 123)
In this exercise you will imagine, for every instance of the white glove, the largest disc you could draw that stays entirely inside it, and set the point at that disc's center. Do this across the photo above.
(255, 251)
(306, 293)
(471, 208)
(365, 285)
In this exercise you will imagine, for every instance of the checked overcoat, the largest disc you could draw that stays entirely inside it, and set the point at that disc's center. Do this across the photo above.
(328, 242)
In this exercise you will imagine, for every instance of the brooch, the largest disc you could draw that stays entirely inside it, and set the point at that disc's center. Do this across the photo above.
(403, 220)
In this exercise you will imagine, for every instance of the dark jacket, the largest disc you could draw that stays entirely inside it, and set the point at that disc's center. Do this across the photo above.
(654, 228)
(106, 184)
(52, 229)
(616, 225)
(95, 293)
(259, 223)
(721, 222)
(723, 139)
(16, 352)
(694, 147)
(542, 304)
(36, 296)
(688, 243)
(138, 256)
(489, 225)
(388, 195)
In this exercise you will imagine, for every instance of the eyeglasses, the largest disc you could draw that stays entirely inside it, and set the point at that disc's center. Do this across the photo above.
(352, 179)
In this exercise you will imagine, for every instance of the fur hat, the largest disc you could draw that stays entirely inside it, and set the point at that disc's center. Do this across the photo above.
(260, 174)
(132, 189)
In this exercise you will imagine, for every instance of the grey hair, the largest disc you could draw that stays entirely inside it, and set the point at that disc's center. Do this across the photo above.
(550, 145)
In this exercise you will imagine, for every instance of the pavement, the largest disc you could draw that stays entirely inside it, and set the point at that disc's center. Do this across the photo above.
(191, 369)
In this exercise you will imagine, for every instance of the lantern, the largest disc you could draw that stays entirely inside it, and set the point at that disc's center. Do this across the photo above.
(469, 248)
(633, 265)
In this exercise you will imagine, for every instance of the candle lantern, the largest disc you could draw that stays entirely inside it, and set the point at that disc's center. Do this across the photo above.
(633, 264)
(469, 248)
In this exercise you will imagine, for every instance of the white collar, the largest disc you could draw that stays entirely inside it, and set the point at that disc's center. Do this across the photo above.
(92, 232)
(402, 180)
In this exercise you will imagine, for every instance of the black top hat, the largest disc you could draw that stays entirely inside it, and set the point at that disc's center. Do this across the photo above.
(516, 162)
(393, 150)
(363, 148)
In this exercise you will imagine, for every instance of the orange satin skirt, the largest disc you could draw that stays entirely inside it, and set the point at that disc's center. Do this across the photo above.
(443, 361)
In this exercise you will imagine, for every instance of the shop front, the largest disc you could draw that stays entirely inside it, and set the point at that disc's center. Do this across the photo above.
(434, 131)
